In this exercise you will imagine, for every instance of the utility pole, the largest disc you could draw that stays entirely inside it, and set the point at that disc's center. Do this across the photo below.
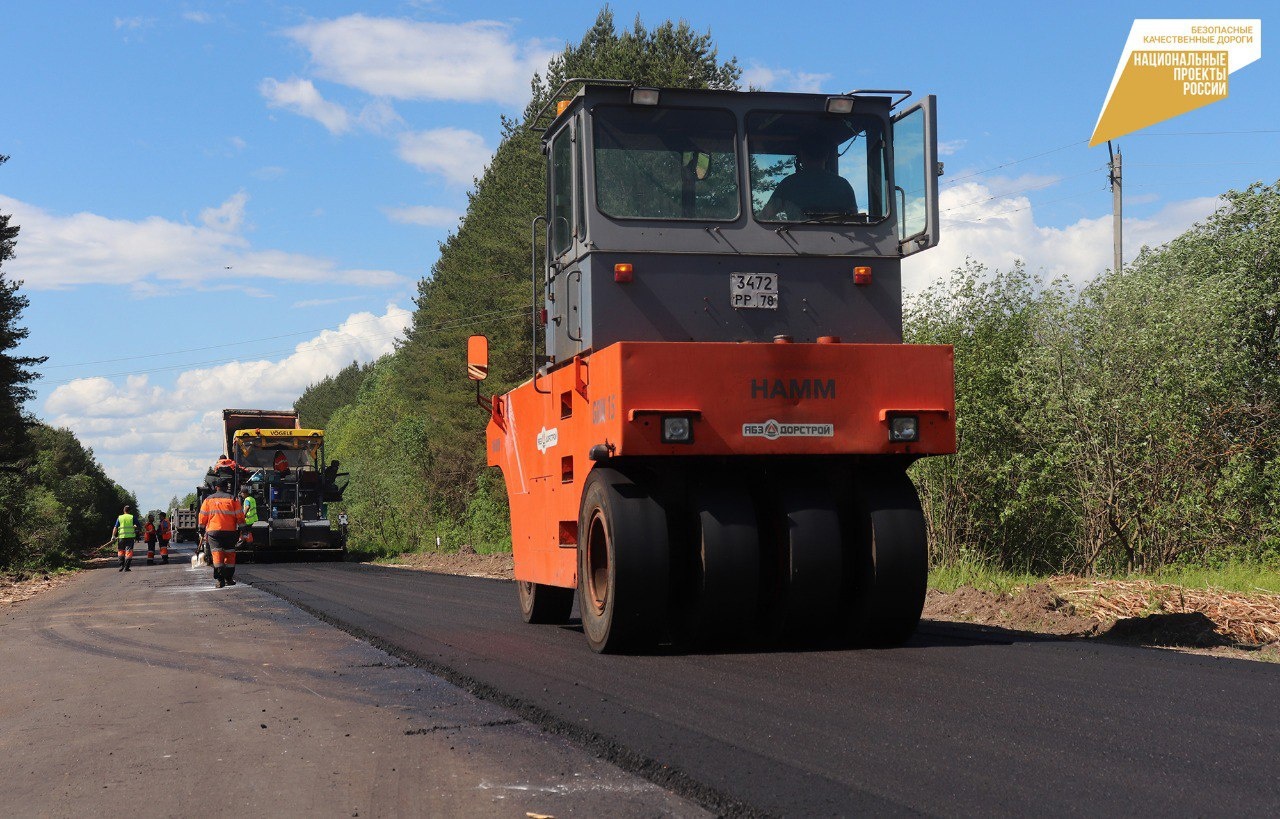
(1117, 208)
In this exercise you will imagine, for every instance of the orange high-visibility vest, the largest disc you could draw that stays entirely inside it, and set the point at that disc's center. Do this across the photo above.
(221, 513)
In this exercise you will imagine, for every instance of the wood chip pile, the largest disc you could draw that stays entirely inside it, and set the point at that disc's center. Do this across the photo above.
(1244, 618)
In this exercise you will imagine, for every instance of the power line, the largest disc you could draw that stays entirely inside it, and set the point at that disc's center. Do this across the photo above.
(1022, 190)
(950, 182)
(1027, 206)
(1193, 164)
(1202, 133)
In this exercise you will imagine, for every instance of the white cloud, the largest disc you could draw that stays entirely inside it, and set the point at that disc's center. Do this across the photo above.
(426, 215)
(201, 17)
(403, 59)
(238, 143)
(301, 97)
(227, 216)
(157, 441)
(456, 154)
(950, 147)
(1001, 231)
(133, 23)
(59, 252)
(379, 117)
(783, 79)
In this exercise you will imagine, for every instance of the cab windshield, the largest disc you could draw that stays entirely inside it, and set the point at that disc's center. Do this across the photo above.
(817, 167)
(665, 163)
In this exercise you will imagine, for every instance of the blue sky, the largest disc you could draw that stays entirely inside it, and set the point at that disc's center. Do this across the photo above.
(193, 174)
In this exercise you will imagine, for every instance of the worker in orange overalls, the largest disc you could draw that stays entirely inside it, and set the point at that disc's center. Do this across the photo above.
(219, 523)
(149, 536)
(165, 530)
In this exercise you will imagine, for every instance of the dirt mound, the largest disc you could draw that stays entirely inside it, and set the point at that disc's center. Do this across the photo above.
(500, 566)
(14, 591)
(1036, 608)
(1131, 611)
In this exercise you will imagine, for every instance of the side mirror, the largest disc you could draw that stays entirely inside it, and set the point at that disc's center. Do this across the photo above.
(478, 358)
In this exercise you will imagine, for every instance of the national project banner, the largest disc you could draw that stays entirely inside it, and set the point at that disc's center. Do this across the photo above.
(1170, 67)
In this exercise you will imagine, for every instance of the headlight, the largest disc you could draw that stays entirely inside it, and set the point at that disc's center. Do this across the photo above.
(677, 429)
(904, 428)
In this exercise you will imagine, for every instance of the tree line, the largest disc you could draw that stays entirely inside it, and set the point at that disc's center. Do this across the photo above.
(408, 429)
(1127, 426)
(56, 502)
(1120, 426)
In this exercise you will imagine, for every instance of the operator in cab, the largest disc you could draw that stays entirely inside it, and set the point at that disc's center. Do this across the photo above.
(813, 190)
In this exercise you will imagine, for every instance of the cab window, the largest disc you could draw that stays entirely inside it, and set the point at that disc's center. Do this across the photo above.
(561, 192)
(817, 167)
(665, 163)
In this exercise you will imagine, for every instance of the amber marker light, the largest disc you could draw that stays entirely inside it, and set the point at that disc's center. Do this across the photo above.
(862, 275)
(622, 272)
(561, 105)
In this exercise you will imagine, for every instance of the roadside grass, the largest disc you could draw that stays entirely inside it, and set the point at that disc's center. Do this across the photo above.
(980, 575)
(1244, 578)
(1239, 577)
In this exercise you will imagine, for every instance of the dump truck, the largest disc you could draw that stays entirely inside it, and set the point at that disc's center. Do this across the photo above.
(713, 441)
(185, 524)
(285, 469)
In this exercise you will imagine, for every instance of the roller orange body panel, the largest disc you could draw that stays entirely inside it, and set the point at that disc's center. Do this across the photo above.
(742, 399)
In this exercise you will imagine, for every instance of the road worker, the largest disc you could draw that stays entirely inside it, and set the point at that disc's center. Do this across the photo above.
(224, 465)
(249, 504)
(219, 524)
(123, 533)
(281, 463)
(165, 530)
(149, 537)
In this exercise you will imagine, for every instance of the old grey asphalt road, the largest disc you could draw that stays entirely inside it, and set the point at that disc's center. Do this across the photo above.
(150, 693)
(957, 722)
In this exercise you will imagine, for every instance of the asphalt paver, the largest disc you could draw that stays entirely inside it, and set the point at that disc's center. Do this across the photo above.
(153, 693)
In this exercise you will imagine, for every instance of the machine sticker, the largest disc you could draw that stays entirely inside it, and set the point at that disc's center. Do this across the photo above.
(548, 438)
(772, 430)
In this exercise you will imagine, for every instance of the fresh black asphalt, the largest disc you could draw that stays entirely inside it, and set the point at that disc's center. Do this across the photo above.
(961, 721)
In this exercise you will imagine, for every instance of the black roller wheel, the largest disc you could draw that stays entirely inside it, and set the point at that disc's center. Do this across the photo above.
(811, 563)
(540, 603)
(890, 554)
(623, 564)
(726, 570)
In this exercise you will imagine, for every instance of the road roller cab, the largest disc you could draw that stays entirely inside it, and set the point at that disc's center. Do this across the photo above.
(714, 437)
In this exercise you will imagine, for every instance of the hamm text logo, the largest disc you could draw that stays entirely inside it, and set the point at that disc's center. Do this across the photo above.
(772, 430)
(794, 388)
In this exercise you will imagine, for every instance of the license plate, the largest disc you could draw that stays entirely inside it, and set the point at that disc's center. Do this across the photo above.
(753, 290)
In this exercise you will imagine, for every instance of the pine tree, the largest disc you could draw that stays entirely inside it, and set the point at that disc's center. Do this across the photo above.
(15, 371)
